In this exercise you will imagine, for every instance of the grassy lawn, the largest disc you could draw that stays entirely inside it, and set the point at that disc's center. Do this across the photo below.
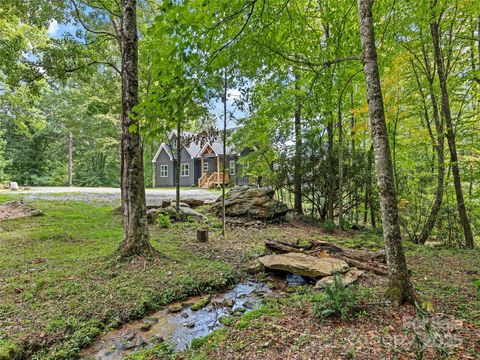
(59, 289)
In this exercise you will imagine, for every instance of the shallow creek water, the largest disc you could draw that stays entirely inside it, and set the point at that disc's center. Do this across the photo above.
(178, 328)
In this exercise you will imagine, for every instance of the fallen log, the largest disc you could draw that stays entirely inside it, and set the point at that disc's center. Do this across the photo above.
(282, 247)
(361, 259)
(376, 268)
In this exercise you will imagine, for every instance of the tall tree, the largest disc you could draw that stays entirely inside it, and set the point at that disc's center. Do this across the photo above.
(452, 144)
(135, 229)
(224, 140)
(297, 181)
(70, 158)
(400, 289)
(438, 144)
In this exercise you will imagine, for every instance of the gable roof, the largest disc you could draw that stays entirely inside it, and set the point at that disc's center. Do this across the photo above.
(194, 148)
(204, 148)
(165, 147)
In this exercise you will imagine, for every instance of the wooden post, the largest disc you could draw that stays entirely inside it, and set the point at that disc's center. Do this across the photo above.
(70, 158)
(202, 235)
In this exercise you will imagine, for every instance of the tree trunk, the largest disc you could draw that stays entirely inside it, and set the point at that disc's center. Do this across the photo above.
(340, 169)
(297, 175)
(352, 154)
(178, 154)
(224, 147)
(399, 287)
(462, 211)
(330, 176)
(70, 158)
(135, 230)
(439, 143)
(368, 188)
(478, 41)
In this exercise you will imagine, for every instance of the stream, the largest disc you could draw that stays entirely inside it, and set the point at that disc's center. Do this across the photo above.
(177, 324)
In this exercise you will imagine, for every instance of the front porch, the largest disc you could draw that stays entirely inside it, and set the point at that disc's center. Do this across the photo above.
(211, 165)
(210, 180)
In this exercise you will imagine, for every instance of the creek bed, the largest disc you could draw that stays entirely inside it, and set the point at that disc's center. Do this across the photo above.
(177, 328)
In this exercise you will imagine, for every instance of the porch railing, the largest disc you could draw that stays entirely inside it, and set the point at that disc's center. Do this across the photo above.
(207, 180)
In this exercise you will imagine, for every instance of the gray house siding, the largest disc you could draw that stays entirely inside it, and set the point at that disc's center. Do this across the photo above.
(189, 180)
(239, 178)
(163, 159)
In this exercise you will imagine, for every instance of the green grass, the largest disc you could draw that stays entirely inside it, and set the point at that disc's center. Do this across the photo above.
(60, 287)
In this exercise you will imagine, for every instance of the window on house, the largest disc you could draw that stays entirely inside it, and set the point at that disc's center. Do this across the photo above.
(163, 170)
(205, 166)
(232, 167)
(184, 169)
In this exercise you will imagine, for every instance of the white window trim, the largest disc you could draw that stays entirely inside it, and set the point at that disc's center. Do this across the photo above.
(182, 173)
(231, 168)
(163, 167)
(205, 167)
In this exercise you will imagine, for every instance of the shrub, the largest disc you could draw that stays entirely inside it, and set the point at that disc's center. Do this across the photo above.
(477, 284)
(329, 225)
(9, 350)
(337, 300)
(163, 221)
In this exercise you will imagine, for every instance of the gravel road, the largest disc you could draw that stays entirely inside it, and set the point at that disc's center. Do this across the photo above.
(104, 194)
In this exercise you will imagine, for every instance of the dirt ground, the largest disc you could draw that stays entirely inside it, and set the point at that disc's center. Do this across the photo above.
(17, 209)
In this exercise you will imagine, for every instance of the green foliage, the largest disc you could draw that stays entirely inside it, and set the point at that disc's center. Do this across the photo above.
(36, 153)
(161, 351)
(477, 284)
(329, 225)
(10, 351)
(163, 221)
(338, 300)
(3, 161)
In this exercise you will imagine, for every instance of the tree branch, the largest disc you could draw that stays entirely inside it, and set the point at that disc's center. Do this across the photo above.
(100, 32)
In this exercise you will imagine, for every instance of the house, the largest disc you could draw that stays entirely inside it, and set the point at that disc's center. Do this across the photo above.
(200, 163)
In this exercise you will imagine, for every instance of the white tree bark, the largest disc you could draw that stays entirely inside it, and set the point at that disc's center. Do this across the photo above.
(135, 229)
(399, 288)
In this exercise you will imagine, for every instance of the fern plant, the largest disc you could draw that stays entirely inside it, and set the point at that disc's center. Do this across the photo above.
(163, 221)
(337, 300)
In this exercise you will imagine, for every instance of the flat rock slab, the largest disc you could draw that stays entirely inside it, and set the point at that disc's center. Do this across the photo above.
(16, 210)
(305, 265)
(348, 278)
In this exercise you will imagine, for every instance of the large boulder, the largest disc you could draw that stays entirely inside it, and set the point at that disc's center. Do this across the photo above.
(185, 214)
(305, 265)
(14, 186)
(251, 202)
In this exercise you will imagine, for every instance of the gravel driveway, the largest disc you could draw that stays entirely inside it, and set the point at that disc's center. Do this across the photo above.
(104, 194)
